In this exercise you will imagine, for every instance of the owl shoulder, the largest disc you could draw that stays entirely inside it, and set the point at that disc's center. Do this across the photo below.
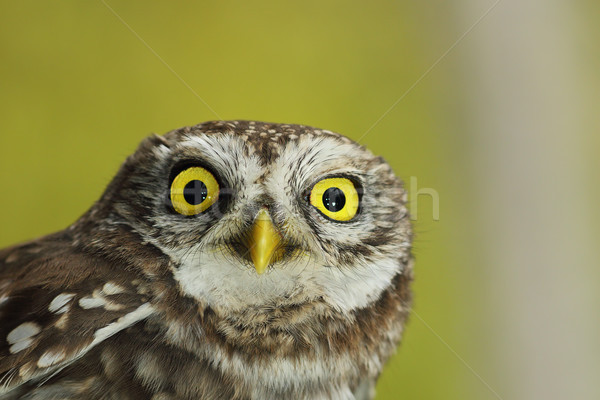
(57, 302)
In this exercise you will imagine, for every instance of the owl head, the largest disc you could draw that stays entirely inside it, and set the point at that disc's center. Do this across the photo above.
(232, 259)
(255, 214)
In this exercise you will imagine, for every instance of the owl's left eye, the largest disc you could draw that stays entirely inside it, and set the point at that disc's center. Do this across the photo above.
(194, 190)
(336, 198)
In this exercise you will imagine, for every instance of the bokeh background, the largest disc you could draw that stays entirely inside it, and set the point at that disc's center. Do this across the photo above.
(492, 106)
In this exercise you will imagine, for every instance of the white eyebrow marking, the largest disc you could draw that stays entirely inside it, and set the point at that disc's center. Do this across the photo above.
(59, 304)
(50, 358)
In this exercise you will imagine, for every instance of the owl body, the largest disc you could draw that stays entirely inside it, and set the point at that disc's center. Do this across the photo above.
(229, 260)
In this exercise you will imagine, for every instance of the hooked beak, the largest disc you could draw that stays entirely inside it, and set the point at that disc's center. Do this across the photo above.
(264, 243)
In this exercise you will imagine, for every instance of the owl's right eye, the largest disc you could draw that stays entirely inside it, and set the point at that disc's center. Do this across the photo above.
(193, 191)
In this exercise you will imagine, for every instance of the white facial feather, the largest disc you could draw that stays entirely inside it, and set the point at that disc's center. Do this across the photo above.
(213, 279)
(223, 281)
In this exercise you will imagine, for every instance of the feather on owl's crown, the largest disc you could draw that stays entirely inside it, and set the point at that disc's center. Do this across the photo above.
(266, 137)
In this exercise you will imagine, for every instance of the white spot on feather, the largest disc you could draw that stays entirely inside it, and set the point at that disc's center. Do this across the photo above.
(53, 357)
(50, 358)
(59, 304)
(20, 345)
(27, 370)
(111, 288)
(97, 299)
(91, 302)
(12, 257)
(138, 314)
(61, 323)
(22, 332)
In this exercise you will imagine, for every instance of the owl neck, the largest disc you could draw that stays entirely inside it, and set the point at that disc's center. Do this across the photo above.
(266, 347)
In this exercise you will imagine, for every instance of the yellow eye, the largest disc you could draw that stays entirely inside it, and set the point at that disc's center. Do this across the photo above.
(337, 198)
(194, 190)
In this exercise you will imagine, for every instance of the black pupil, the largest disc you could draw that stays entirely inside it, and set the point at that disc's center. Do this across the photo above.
(195, 192)
(334, 199)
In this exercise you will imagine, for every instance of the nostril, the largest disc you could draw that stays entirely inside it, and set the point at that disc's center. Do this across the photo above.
(264, 201)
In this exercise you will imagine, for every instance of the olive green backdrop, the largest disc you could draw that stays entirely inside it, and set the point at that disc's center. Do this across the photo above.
(82, 82)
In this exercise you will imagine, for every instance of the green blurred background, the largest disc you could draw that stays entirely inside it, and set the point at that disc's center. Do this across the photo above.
(494, 106)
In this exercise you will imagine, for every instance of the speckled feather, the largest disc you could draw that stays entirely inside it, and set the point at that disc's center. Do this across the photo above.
(136, 302)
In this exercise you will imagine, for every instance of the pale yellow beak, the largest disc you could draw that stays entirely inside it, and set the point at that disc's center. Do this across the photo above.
(264, 242)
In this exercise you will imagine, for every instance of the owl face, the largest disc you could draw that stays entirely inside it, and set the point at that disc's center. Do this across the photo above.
(259, 215)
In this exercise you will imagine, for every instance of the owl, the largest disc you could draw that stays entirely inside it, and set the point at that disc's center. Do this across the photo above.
(227, 260)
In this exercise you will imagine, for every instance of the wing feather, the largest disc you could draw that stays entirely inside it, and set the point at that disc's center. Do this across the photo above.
(56, 304)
